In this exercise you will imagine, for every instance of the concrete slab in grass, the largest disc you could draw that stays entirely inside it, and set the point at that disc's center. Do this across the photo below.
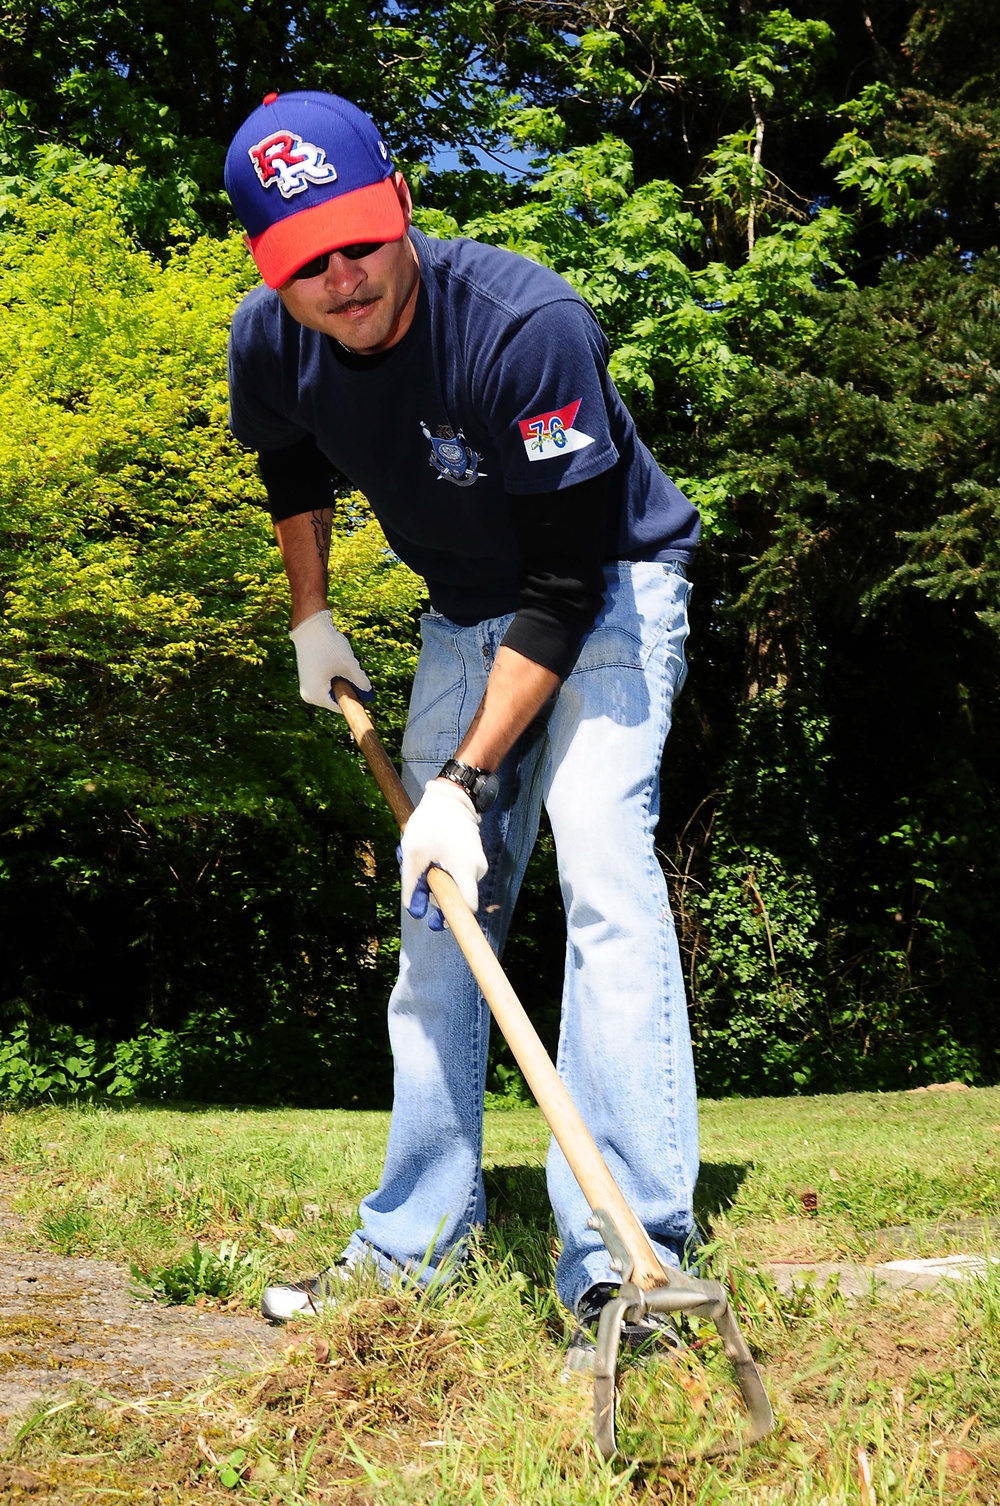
(894, 1275)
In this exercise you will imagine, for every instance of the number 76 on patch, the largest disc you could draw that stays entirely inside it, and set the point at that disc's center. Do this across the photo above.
(550, 434)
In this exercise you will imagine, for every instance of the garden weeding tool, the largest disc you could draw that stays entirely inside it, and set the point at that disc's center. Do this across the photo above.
(647, 1286)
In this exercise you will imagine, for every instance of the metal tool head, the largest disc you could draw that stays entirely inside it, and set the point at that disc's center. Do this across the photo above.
(680, 1293)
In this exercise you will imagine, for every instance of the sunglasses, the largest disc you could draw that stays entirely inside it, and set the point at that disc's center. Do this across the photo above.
(319, 264)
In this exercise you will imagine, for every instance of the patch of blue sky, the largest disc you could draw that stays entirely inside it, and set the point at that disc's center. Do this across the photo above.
(513, 163)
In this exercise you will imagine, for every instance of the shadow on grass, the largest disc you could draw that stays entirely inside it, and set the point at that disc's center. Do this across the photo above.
(517, 1194)
(718, 1184)
(521, 1233)
(520, 1228)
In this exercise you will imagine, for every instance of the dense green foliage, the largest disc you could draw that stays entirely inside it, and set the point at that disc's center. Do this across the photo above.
(785, 219)
(175, 825)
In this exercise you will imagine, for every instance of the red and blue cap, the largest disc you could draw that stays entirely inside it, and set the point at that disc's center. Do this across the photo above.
(308, 173)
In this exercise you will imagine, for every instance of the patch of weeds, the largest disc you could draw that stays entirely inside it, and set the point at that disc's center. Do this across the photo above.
(978, 1303)
(81, 1422)
(27, 1335)
(231, 1468)
(353, 1403)
(84, 1447)
(767, 1316)
(520, 1252)
(504, 1297)
(29, 1328)
(392, 1362)
(202, 1273)
(69, 1229)
(966, 1385)
(681, 1405)
(673, 1408)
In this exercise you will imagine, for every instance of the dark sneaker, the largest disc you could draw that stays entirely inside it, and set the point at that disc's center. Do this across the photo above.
(654, 1332)
(301, 1299)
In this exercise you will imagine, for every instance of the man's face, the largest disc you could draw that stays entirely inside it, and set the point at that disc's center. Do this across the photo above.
(367, 305)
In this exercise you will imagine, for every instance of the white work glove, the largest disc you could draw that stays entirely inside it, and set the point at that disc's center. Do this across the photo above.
(323, 654)
(443, 832)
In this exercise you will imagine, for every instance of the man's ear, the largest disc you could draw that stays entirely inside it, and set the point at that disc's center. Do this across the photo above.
(403, 194)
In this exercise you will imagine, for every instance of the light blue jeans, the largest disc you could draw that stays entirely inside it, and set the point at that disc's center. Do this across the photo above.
(624, 1045)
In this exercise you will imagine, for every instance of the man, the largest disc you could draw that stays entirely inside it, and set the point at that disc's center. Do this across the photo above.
(465, 390)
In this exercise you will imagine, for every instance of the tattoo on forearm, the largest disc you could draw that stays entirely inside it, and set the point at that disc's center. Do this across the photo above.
(321, 527)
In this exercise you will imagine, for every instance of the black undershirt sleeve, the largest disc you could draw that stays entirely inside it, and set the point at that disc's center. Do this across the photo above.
(560, 538)
(561, 541)
(297, 478)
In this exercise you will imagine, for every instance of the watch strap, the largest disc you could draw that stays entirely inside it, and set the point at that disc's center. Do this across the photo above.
(480, 785)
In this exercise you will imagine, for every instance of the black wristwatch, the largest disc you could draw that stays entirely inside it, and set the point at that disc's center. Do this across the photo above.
(480, 785)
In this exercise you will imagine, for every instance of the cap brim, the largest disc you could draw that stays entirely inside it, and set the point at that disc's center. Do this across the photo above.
(373, 213)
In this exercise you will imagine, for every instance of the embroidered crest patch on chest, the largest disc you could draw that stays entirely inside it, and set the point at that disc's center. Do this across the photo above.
(452, 456)
(550, 434)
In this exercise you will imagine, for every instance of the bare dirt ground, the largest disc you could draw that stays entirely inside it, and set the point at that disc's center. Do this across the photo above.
(70, 1319)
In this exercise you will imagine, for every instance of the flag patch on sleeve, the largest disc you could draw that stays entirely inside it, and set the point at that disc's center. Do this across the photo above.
(550, 434)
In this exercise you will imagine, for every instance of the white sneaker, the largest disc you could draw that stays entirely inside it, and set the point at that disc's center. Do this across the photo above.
(280, 1304)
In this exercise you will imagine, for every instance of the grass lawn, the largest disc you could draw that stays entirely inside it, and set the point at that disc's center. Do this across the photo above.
(396, 1399)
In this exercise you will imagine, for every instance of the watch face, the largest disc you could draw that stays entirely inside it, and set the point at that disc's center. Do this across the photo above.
(487, 789)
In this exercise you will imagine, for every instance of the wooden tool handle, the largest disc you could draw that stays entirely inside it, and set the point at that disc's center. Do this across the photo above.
(572, 1135)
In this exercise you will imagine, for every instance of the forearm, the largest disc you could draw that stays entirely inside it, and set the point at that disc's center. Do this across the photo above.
(562, 544)
(304, 541)
(516, 691)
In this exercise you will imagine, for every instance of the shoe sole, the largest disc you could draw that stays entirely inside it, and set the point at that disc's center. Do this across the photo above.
(273, 1315)
(635, 1345)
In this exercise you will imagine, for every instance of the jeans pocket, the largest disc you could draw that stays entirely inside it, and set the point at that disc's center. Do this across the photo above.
(610, 647)
(437, 696)
(645, 604)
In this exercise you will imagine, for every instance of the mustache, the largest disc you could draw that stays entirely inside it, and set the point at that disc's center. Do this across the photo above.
(355, 303)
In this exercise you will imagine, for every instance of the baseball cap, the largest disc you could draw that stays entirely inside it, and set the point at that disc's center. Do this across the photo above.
(308, 173)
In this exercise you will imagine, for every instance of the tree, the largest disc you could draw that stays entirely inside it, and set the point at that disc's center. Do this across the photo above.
(783, 216)
(163, 86)
(173, 826)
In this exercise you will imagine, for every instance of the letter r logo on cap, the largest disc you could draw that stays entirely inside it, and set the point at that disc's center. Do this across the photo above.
(292, 163)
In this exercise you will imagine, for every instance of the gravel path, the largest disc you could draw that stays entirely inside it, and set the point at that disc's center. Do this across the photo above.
(65, 1319)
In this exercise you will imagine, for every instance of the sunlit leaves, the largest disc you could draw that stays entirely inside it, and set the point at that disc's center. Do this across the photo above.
(633, 253)
(141, 589)
(889, 185)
